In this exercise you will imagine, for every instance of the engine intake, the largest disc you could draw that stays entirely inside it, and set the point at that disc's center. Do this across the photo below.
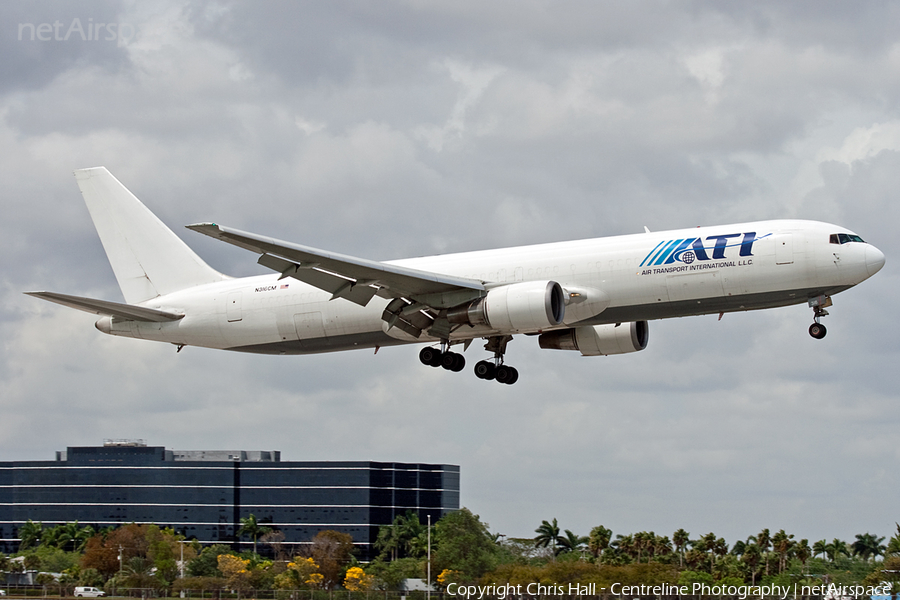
(599, 340)
(515, 308)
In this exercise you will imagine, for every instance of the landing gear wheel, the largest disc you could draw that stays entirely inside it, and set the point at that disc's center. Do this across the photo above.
(817, 330)
(507, 375)
(453, 361)
(430, 356)
(485, 370)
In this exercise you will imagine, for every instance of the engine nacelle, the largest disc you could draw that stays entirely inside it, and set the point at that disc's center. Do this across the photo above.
(524, 307)
(599, 340)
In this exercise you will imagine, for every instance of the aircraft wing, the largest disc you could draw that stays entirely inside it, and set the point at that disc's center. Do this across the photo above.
(355, 279)
(104, 307)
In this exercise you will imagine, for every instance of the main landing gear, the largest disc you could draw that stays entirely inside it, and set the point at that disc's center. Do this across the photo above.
(495, 369)
(818, 304)
(484, 369)
(434, 357)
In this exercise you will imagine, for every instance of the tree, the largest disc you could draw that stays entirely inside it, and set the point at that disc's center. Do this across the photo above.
(681, 538)
(138, 573)
(301, 572)
(803, 551)
(463, 544)
(30, 534)
(357, 580)
(68, 536)
(331, 550)
(236, 571)
(751, 557)
(782, 544)
(819, 548)
(867, 545)
(598, 540)
(835, 548)
(763, 540)
(251, 527)
(274, 540)
(571, 543)
(547, 535)
(893, 547)
(207, 563)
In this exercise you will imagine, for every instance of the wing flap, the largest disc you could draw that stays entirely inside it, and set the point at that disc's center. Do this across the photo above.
(401, 281)
(355, 291)
(105, 307)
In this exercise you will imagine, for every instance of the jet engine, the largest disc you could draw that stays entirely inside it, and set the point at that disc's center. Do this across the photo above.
(598, 340)
(524, 307)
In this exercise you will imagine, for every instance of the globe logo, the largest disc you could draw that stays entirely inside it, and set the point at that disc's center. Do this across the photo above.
(687, 258)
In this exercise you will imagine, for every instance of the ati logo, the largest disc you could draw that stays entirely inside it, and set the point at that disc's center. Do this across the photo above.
(689, 249)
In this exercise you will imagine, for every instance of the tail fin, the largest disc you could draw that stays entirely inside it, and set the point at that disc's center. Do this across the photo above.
(147, 258)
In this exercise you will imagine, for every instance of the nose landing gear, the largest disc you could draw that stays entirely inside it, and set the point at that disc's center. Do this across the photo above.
(818, 304)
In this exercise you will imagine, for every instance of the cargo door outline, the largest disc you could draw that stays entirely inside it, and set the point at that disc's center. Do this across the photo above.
(309, 325)
(784, 249)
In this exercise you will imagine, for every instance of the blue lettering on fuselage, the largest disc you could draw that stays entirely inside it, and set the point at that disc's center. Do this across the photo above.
(687, 250)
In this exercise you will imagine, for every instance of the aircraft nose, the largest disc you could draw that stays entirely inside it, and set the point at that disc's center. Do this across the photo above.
(874, 259)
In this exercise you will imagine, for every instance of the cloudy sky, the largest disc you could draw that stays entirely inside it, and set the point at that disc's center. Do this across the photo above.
(405, 128)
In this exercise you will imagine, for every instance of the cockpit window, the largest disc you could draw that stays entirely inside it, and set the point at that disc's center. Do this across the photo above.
(844, 238)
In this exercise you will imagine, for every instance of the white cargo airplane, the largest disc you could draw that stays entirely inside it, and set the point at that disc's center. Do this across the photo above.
(592, 296)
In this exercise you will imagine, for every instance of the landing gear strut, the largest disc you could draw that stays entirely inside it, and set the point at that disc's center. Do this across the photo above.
(495, 369)
(818, 304)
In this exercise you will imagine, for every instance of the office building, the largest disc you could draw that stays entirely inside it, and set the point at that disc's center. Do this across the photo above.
(204, 494)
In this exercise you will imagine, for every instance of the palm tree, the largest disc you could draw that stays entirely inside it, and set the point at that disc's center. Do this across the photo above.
(250, 526)
(662, 546)
(625, 545)
(571, 543)
(803, 551)
(388, 540)
(782, 544)
(751, 557)
(412, 534)
(763, 540)
(30, 534)
(819, 548)
(681, 538)
(598, 540)
(893, 546)
(867, 545)
(835, 548)
(547, 534)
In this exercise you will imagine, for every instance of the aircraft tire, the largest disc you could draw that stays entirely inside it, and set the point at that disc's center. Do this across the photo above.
(507, 375)
(430, 356)
(485, 370)
(817, 330)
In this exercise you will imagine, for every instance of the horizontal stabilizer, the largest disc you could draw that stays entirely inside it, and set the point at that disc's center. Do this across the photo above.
(104, 307)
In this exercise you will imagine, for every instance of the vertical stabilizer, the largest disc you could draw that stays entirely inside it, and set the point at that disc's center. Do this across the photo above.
(147, 258)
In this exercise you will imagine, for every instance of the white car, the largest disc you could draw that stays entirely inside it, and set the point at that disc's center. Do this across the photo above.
(89, 592)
